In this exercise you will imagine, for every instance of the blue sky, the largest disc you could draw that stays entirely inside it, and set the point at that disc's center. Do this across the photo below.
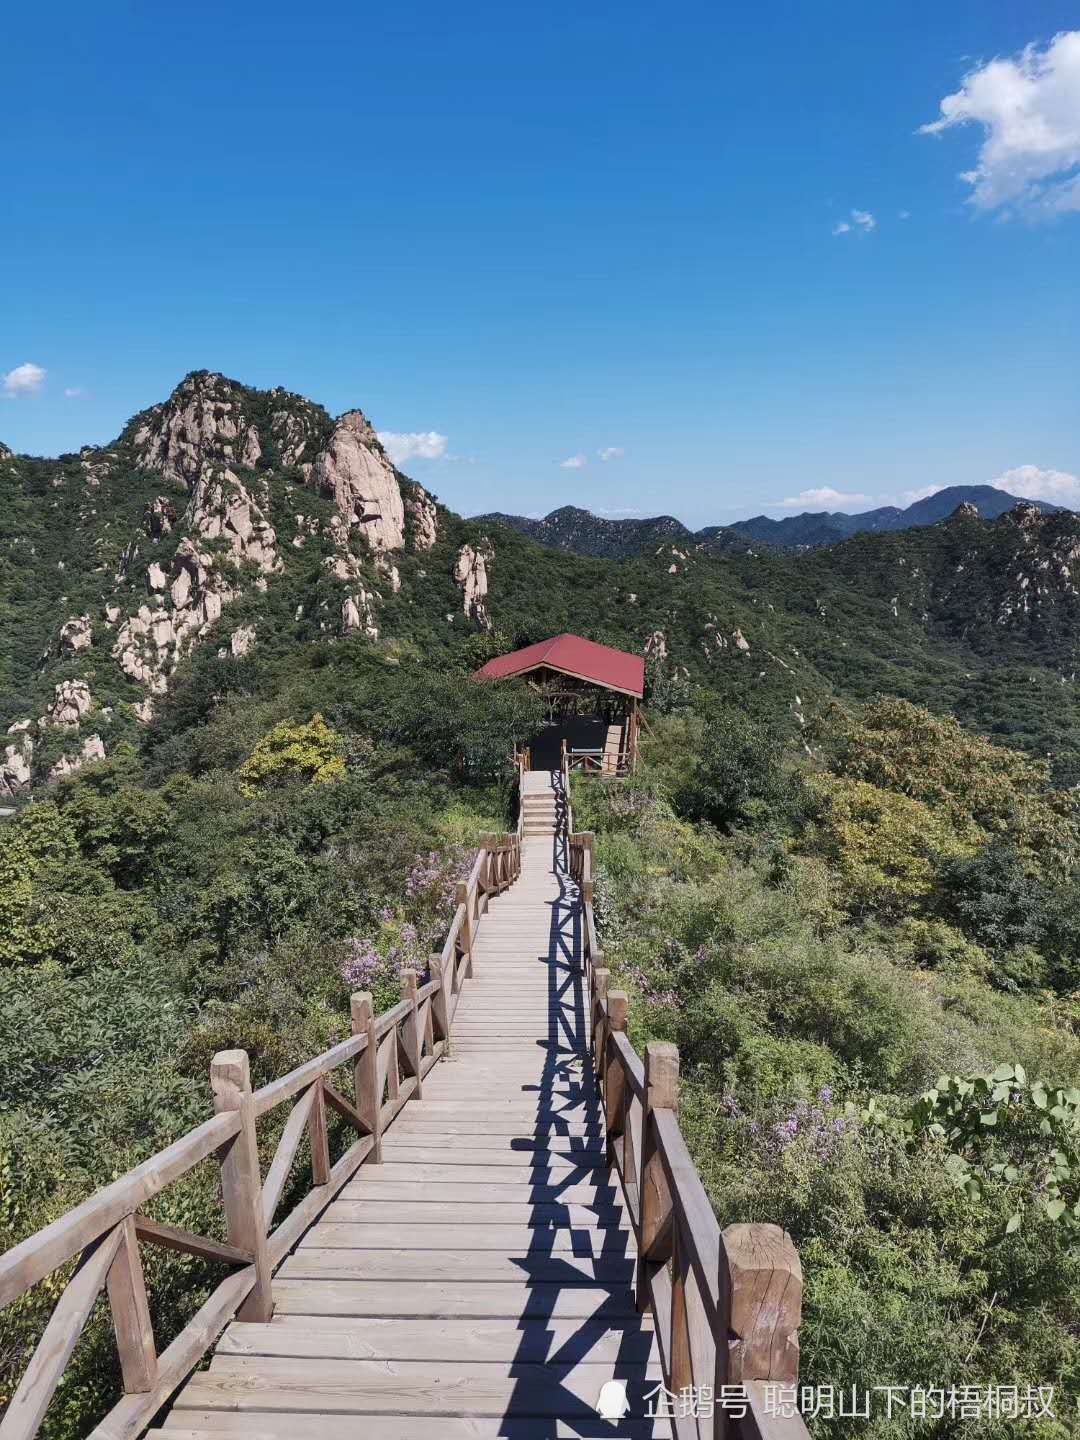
(531, 234)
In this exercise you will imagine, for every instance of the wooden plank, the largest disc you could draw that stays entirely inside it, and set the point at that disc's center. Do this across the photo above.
(539, 1147)
(377, 1185)
(396, 1153)
(320, 1264)
(298, 1426)
(131, 1314)
(304, 1075)
(477, 1212)
(285, 1153)
(506, 1239)
(515, 1299)
(173, 1238)
(359, 1387)
(529, 1342)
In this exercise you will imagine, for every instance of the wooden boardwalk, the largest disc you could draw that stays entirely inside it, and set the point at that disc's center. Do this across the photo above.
(480, 1280)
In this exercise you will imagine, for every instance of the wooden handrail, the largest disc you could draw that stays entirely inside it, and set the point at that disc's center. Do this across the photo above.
(726, 1304)
(388, 1057)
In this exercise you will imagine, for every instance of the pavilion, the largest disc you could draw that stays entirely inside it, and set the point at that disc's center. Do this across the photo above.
(593, 693)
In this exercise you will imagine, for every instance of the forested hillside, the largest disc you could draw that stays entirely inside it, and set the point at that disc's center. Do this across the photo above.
(244, 760)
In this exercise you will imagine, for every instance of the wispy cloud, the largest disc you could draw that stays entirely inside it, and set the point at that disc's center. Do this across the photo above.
(413, 445)
(825, 496)
(1028, 107)
(573, 462)
(72, 392)
(903, 214)
(611, 452)
(860, 223)
(1032, 483)
(23, 380)
(625, 510)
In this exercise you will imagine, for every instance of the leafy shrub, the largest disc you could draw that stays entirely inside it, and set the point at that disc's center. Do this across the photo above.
(310, 753)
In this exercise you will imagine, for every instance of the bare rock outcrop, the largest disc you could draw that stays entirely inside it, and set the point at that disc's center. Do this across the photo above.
(354, 472)
(71, 701)
(297, 428)
(656, 646)
(241, 641)
(75, 634)
(203, 422)
(223, 508)
(421, 511)
(159, 517)
(92, 749)
(471, 573)
(965, 511)
(1025, 515)
(16, 766)
(357, 614)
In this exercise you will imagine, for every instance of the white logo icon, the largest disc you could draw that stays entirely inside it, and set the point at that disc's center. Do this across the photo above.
(611, 1403)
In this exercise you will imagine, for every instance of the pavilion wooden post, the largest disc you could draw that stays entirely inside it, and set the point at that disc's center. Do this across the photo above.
(241, 1180)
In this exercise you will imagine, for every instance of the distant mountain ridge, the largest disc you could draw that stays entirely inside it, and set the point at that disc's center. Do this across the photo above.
(583, 533)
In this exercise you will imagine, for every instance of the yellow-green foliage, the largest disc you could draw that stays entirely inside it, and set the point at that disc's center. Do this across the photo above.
(313, 753)
(884, 845)
(982, 790)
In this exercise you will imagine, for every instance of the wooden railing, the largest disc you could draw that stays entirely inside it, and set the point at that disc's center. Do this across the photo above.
(726, 1304)
(385, 1059)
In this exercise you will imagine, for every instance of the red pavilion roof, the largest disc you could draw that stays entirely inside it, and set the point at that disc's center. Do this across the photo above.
(573, 655)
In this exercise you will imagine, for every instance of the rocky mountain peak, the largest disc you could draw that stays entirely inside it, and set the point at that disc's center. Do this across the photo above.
(1026, 514)
(5, 451)
(354, 472)
(965, 511)
(207, 420)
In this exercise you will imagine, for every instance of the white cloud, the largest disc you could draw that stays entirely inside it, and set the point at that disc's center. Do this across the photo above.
(1029, 110)
(909, 497)
(626, 510)
(73, 392)
(816, 499)
(573, 462)
(23, 380)
(903, 214)
(413, 445)
(611, 452)
(1032, 483)
(861, 223)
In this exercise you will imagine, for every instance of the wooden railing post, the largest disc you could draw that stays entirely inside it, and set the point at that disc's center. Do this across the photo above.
(598, 1023)
(412, 1028)
(366, 1069)
(241, 1182)
(614, 1077)
(661, 1093)
(760, 1309)
(461, 897)
(131, 1314)
(318, 1138)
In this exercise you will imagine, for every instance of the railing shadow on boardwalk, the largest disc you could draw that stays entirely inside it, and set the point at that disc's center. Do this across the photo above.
(566, 1085)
